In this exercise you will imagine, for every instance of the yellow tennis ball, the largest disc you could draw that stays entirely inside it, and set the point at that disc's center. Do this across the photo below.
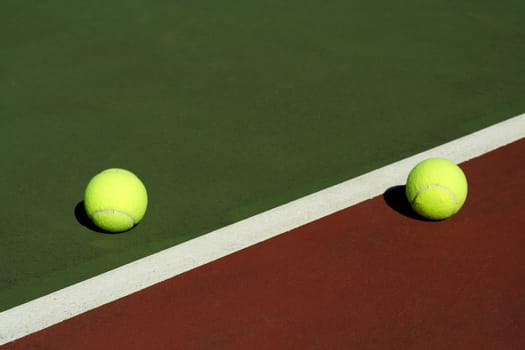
(436, 188)
(115, 200)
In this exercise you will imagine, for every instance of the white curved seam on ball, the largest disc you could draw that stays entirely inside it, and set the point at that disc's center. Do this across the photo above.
(450, 193)
(113, 211)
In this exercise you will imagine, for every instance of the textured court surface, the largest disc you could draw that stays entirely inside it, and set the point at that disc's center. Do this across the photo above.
(372, 276)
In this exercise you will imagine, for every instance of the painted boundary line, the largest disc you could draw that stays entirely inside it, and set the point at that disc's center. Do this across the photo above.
(61, 305)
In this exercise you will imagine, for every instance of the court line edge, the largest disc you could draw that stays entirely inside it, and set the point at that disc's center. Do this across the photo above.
(66, 303)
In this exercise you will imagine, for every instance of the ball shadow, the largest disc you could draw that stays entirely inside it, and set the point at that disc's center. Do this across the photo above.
(396, 199)
(84, 220)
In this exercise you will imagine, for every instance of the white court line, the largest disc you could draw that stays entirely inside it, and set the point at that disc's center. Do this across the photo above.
(53, 308)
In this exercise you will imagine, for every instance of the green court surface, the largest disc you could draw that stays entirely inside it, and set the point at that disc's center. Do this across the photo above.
(224, 109)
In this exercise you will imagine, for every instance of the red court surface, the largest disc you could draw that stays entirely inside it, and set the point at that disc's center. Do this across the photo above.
(372, 276)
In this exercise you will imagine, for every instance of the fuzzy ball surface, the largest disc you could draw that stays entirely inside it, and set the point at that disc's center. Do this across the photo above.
(436, 188)
(115, 200)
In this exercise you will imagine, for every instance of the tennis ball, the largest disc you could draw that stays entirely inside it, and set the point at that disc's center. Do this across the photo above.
(115, 200)
(436, 188)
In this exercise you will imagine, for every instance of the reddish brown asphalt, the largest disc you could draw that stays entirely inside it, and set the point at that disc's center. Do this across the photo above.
(368, 277)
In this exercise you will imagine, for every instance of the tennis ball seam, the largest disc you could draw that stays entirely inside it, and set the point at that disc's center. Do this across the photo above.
(113, 211)
(450, 193)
